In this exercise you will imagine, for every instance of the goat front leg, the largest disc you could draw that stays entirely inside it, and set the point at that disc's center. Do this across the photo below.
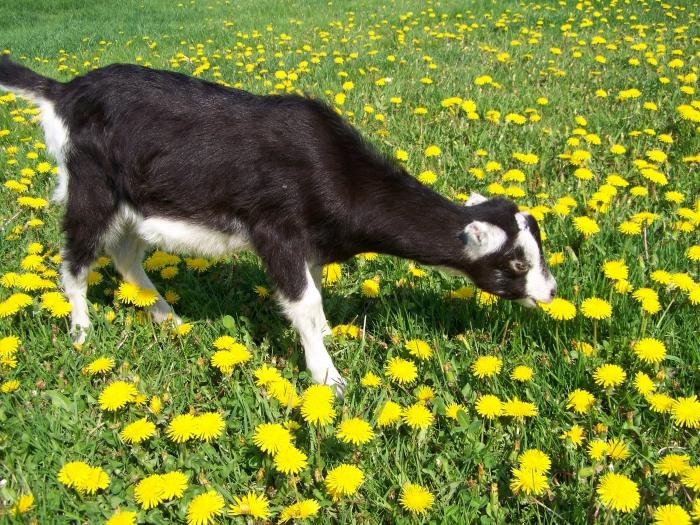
(300, 300)
(305, 312)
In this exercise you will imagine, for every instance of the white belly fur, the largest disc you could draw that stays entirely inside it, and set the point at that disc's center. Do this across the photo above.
(180, 236)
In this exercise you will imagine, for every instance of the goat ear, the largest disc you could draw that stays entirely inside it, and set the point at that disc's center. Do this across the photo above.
(521, 219)
(474, 199)
(481, 238)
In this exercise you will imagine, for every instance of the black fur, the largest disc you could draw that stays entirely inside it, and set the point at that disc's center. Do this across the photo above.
(303, 183)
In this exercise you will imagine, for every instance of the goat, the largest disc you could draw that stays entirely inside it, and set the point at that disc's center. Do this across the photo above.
(149, 157)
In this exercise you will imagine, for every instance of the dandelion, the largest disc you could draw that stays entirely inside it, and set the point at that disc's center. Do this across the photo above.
(660, 403)
(528, 481)
(301, 510)
(355, 431)
(83, 478)
(290, 460)
(208, 426)
(122, 517)
(691, 478)
(486, 366)
(343, 480)
(226, 360)
(522, 373)
(419, 349)
(673, 464)
(618, 492)
(596, 308)
(489, 406)
(370, 380)
(587, 226)
(453, 409)
(520, 409)
(643, 384)
(580, 400)
(671, 515)
(650, 350)
(138, 431)
(204, 508)
(182, 428)
(389, 414)
(271, 437)
(317, 405)
(617, 449)
(101, 365)
(417, 416)
(370, 288)
(559, 309)
(575, 434)
(117, 395)
(597, 449)
(251, 504)
(415, 498)
(609, 376)
(401, 370)
(685, 412)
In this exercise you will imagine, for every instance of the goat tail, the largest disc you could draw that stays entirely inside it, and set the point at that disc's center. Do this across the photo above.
(25, 82)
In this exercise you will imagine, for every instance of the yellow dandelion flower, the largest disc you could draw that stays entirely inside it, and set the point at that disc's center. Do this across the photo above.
(487, 366)
(117, 395)
(301, 510)
(204, 508)
(317, 405)
(673, 464)
(371, 380)
(389, 414)
(618, 492)
(401, 370)
(208, 426)
(650, 350)
(343, 480)
(138, 431)
(271, 437)
(101, 365)
(671, 515)
(580, 400)
(685, 412)
(417, 416)
(182, 428)
(355, 431)
(609, 376)
(522, 373)
(416, 498)
(489, 406)
(290, 460)
(529, 481)
(251, 504)
(596, 308)
(419, 349)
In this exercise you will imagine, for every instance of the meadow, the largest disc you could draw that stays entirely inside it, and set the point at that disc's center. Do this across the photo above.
(460, 407)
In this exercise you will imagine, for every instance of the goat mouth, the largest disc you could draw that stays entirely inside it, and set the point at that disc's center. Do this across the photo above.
(528, 302)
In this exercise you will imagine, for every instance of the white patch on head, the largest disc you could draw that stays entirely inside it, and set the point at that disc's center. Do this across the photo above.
(483, 238)
(537, 286)
(475, 199)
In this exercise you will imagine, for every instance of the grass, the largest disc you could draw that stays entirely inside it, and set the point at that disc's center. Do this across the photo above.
(54, 416)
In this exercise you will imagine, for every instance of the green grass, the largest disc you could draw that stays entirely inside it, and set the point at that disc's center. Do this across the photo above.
(54, 416)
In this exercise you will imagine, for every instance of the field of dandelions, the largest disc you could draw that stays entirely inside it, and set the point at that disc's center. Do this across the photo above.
(460, 408)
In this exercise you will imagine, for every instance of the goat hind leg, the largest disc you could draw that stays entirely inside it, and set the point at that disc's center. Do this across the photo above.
(127, 254)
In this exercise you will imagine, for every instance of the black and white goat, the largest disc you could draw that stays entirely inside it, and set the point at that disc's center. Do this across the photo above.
(150, 157)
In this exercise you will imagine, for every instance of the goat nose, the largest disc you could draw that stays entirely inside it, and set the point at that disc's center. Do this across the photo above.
(553, 293)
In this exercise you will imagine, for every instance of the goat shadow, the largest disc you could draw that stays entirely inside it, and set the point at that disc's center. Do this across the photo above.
(230, 289)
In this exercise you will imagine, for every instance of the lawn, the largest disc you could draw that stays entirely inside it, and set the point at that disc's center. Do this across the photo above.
(473, 409)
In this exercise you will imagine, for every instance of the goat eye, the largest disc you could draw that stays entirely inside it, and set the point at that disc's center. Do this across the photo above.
(519, 266)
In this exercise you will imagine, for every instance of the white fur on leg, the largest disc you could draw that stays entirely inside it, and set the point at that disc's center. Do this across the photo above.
(317, 273)
(75, 288)
(127, 254)
(308, 318)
